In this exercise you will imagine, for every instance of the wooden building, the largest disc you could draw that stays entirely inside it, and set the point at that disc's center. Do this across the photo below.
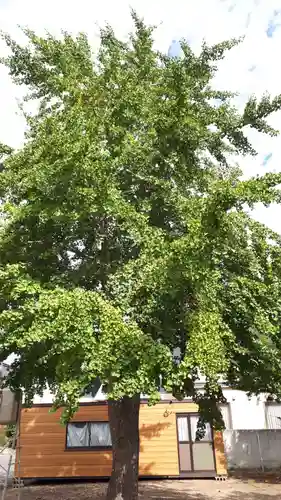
(47, 449)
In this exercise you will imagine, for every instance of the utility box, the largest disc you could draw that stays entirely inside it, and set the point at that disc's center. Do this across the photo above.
(9, 402)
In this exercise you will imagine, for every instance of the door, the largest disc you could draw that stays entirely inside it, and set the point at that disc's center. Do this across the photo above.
(195, 457)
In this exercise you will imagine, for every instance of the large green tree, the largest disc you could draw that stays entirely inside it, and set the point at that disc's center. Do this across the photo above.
(125, 233)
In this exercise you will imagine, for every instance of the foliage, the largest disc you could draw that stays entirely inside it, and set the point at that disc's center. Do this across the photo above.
(10, 431)
(73, 336)
(126, 230)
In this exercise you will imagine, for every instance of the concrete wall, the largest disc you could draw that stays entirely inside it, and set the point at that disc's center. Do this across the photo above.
(246, 449)
(7, 464)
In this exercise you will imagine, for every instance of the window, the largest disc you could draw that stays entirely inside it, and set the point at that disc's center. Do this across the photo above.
(193, 427)
(88, 435)
(273, 415)
(226, 415)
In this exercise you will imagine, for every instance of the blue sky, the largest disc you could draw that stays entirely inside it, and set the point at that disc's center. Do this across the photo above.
(250, 68)
(175, 49)
(274, 23)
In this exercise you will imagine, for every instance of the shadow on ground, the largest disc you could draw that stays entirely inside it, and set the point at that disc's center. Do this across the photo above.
(205, 490)
(273, 477)
(155, 490)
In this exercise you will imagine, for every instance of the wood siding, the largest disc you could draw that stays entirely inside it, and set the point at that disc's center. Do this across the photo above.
(220, 458)
(41, 447)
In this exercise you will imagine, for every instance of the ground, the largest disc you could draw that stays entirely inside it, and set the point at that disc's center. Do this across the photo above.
(156, 490)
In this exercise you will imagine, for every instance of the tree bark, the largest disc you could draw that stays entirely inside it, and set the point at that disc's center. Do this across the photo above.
(124, 427)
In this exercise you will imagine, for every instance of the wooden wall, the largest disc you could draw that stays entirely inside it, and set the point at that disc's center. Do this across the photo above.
(42, 443)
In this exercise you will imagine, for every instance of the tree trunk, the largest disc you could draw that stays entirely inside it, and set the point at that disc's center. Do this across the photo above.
(124, 427)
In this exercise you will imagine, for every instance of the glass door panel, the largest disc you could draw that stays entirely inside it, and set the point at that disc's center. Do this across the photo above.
(203, 456)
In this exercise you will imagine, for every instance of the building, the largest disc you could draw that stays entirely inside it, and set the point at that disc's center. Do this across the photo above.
(243, 412)
(167, 437)
(168, 447)
(83, 448)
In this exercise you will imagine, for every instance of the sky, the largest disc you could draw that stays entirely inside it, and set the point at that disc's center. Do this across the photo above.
(252, 67)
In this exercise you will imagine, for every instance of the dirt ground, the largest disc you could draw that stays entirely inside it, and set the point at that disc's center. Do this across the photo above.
(169, 490)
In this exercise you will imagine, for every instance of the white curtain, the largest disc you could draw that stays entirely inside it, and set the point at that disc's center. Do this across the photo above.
(100, 434)
(273, 416)
(77, 435)
(183, 433)
(193, 422)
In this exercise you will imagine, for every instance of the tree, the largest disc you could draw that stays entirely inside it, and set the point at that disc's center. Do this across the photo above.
(126, 234)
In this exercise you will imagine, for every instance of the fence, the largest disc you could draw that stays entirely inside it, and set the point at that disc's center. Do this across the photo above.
(253, 450)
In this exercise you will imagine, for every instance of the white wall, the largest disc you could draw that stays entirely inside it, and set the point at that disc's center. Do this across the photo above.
(48, 398)
(246, 413)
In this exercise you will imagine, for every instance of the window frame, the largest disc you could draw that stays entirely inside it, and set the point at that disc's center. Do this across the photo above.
(266, 407)
(85, 448)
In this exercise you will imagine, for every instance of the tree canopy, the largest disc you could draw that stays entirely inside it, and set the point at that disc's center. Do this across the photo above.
(125, 227)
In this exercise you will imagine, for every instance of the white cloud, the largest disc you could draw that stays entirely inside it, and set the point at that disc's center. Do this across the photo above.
(215, 20)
